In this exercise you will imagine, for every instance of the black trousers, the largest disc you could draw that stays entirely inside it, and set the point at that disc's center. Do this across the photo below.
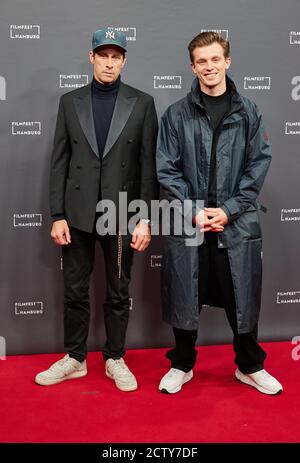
(215, 270)
(78, 263)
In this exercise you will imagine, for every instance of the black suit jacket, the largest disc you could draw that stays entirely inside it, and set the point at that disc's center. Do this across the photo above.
(128, 162)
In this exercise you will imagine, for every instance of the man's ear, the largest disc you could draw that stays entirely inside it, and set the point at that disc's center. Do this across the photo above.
(124, 61)
(228, 62)
(92, 57)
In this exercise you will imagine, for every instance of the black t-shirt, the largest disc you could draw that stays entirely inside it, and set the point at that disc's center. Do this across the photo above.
(217, 108)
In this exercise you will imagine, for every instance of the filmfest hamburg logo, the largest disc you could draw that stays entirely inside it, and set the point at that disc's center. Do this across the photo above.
(290, 215)
(294, 38)
(130, 32)
(25, 31)
(27, 220)
(155, 260)
(257, 83)
(162, 82)
(73, 80)
(26, 128)
(29, 308)
(292, 128)
(288, 297)
(223, 32)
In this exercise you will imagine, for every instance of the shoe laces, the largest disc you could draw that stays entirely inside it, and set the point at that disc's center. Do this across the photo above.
(175, 372)
(66, 362)
(120, 367)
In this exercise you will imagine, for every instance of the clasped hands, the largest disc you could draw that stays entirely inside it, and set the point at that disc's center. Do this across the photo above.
(211, 219)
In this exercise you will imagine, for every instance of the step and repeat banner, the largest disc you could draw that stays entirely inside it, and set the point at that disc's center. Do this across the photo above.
(44, 48)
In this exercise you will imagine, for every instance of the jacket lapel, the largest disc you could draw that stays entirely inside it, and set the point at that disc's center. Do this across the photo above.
(123, 108)
(83, 107)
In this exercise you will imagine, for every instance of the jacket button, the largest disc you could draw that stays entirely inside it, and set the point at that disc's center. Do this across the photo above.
(124, 187)
(75, 141)
(77, 187)
(78, 167)
(123, 164)
(130, 140)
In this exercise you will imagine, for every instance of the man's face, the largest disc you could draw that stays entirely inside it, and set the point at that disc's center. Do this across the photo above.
(210, 66)
(108, 63)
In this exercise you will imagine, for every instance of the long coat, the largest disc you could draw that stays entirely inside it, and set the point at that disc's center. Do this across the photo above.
(79, 177)
(242, 161)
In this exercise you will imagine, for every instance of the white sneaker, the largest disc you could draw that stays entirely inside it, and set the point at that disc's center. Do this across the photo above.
(174, 380)
(261, 380)
(120, 373)
(66, 368)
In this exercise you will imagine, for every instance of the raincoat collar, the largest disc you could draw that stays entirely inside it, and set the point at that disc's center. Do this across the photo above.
(194, 94)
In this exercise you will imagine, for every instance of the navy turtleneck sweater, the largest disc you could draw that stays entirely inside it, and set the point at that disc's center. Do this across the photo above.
(103, 103)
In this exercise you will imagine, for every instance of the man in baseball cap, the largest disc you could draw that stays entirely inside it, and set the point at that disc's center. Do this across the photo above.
(104, 146)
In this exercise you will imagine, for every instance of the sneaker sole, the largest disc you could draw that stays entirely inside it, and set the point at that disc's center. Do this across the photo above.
(129, 388)
(244, 379)
(51, 382)
(176, 389)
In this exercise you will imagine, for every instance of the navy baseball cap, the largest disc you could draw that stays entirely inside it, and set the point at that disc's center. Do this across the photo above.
(109, 36)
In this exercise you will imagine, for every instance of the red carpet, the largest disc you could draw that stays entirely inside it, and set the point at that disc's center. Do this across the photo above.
(213, 407)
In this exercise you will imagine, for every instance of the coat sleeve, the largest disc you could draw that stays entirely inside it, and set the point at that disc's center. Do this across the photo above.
(59, 165)
(169, 171)
(149, 184)
(258, 158)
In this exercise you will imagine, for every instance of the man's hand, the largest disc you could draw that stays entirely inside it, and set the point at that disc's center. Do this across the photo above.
(211, 219)
(214, 219)
(60, 232)
(141, 236)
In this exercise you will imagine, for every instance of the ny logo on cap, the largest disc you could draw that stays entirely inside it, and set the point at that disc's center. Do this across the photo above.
(110, 35)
